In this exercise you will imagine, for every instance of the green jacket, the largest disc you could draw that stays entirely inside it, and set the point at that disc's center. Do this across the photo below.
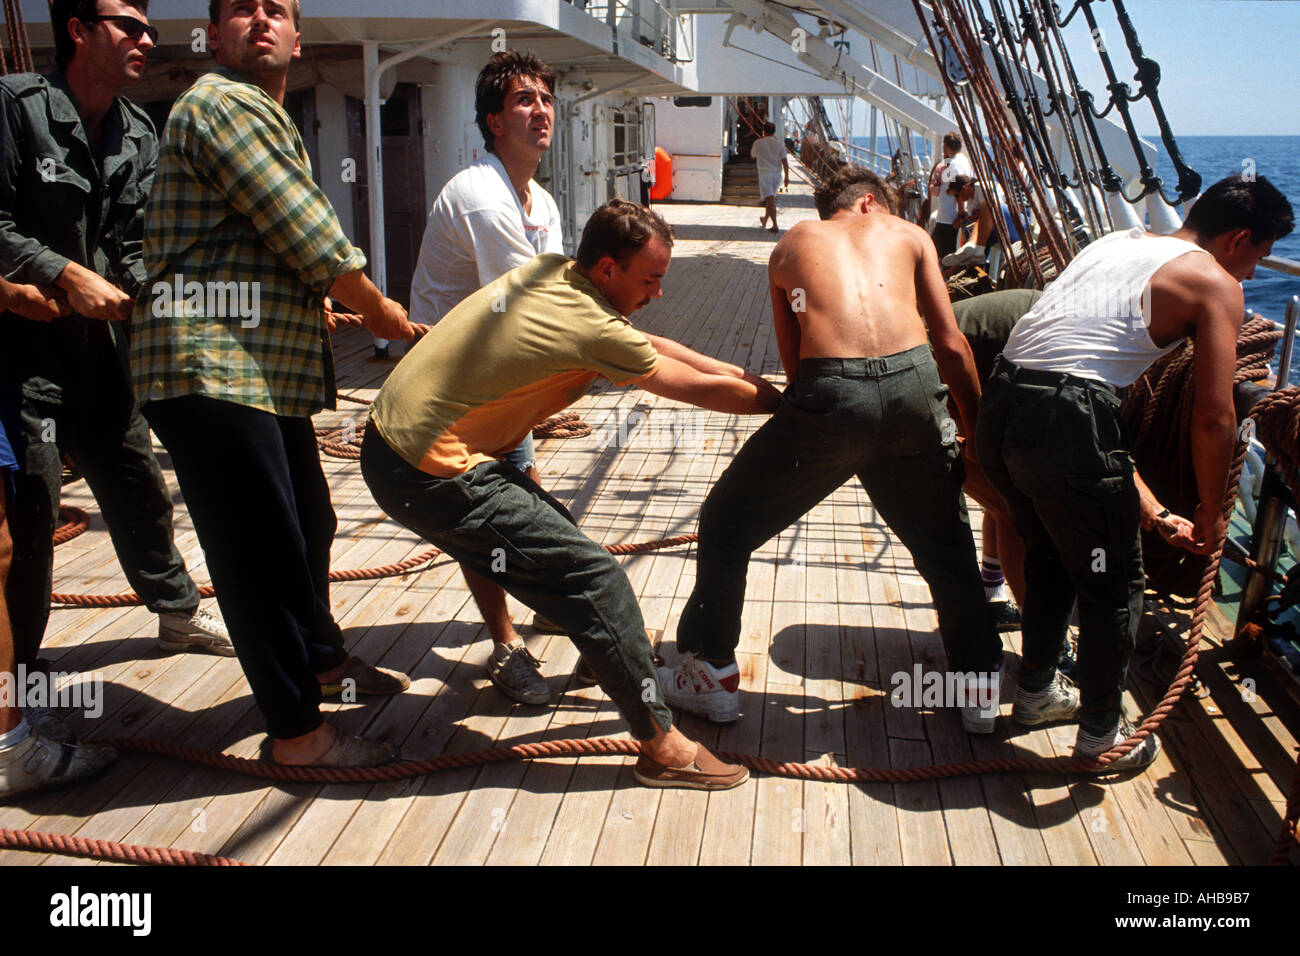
(60, 202)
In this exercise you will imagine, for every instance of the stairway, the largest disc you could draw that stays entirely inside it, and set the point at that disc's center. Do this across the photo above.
(740, 183)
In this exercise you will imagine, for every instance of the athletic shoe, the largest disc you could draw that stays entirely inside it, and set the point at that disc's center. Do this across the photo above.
(968, 255)
(544, 625)
(978, 702)
(1088, 747)
(1006, 616)
(37, 762)
(698, 687)
(515, 671)
(707, 772)
(584, 675)
(1059, 700)
(46, 723)
(199, 631)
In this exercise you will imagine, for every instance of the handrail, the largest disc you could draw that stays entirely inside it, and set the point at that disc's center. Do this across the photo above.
(1280, 264)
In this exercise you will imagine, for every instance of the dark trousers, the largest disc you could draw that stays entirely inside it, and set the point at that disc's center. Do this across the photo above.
(109, 441)
(494, 520)
(884, 420)
(945, 238)
(261, 506)
(1054, 447)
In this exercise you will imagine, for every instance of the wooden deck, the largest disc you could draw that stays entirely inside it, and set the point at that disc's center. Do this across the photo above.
(834, 608)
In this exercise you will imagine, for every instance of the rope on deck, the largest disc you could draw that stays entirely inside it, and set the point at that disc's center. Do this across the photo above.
(77, 521)
(38, 841)
(606, 746)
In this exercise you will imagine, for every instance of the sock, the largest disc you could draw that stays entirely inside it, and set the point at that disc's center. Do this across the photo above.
(12, 738)
(991, 575)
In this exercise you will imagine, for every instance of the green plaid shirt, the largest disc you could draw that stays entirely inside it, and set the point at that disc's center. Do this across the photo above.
(240, 248)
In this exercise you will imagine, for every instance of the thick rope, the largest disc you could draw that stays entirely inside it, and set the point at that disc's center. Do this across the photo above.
(37, 841)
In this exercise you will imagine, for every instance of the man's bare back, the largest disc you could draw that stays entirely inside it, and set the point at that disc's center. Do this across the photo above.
(851, 285)
(856, 285)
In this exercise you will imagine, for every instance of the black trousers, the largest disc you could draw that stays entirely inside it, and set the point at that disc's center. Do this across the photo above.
(110, 443)
(884, 420)
(1055, 448)
(261, 506)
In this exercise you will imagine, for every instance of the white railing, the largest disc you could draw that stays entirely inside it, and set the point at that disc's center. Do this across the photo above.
(648, 22)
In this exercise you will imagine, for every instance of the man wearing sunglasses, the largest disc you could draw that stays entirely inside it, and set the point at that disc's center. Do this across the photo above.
(76, 164)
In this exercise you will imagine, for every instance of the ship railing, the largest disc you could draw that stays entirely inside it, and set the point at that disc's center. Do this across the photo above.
(1267, 533)
(648, 22)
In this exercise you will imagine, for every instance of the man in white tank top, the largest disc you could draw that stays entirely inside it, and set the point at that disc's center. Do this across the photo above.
(1052, 443)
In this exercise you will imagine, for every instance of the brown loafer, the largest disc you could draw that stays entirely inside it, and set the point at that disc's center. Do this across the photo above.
(346, 751)
(363, 678)
(706, 773)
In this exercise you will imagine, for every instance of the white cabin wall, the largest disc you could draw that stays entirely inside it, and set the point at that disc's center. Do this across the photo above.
(692, 135)
(332, 175)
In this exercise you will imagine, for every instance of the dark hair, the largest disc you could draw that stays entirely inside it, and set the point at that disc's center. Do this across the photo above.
(1240, 203)
(494, 83)
(61, 11)
(959, 183)
(769, 128)
(952, 141)
(849, 185)
(621, 229)
(214, 13)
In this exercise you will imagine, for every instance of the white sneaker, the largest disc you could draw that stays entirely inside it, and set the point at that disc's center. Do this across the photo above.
(200, 631)
(515, 671)
(978, 702)
(1088, 747)
(1059, 700)
(699, 687)
(968, 255)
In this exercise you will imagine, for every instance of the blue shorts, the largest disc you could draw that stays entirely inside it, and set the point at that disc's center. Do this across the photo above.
(8, 463)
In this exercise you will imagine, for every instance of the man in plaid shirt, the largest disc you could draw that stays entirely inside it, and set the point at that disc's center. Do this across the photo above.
(231, 357)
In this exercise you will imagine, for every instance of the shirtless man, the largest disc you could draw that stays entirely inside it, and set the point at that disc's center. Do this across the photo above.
(1052, 444)
(864, 399)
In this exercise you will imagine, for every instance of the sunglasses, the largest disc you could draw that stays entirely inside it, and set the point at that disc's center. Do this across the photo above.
(133, 28)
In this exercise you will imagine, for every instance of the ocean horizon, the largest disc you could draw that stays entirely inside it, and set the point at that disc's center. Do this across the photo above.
(1274, 157)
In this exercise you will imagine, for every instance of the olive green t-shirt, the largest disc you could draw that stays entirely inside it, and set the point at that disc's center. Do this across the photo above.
(517, 351)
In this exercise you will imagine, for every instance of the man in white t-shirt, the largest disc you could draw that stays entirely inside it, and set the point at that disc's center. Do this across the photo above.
(490, 219)
(769, 157)
(958, 164)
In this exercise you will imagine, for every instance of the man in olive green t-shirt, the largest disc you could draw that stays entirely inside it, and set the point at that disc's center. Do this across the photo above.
(508, 356)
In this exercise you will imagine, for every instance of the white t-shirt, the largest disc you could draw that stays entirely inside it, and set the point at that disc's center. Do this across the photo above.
(478, 231)
(768, 153)
(1093, 319)
(958, 165)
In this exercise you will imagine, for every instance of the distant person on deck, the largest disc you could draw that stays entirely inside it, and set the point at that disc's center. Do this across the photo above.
(956, 163)
(482, 378)
(1052, 444)
(769, 157)
(864, 328)
(489, 219)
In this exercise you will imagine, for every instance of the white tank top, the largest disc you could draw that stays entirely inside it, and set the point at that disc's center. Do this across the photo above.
(1092, 320)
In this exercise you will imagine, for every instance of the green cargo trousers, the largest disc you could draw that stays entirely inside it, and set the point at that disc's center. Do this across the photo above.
(884, 420)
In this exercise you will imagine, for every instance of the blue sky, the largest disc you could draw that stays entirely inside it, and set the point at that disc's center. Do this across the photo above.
(1228, 67)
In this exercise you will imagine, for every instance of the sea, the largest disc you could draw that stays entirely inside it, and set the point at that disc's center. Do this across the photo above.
(1275, 157)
